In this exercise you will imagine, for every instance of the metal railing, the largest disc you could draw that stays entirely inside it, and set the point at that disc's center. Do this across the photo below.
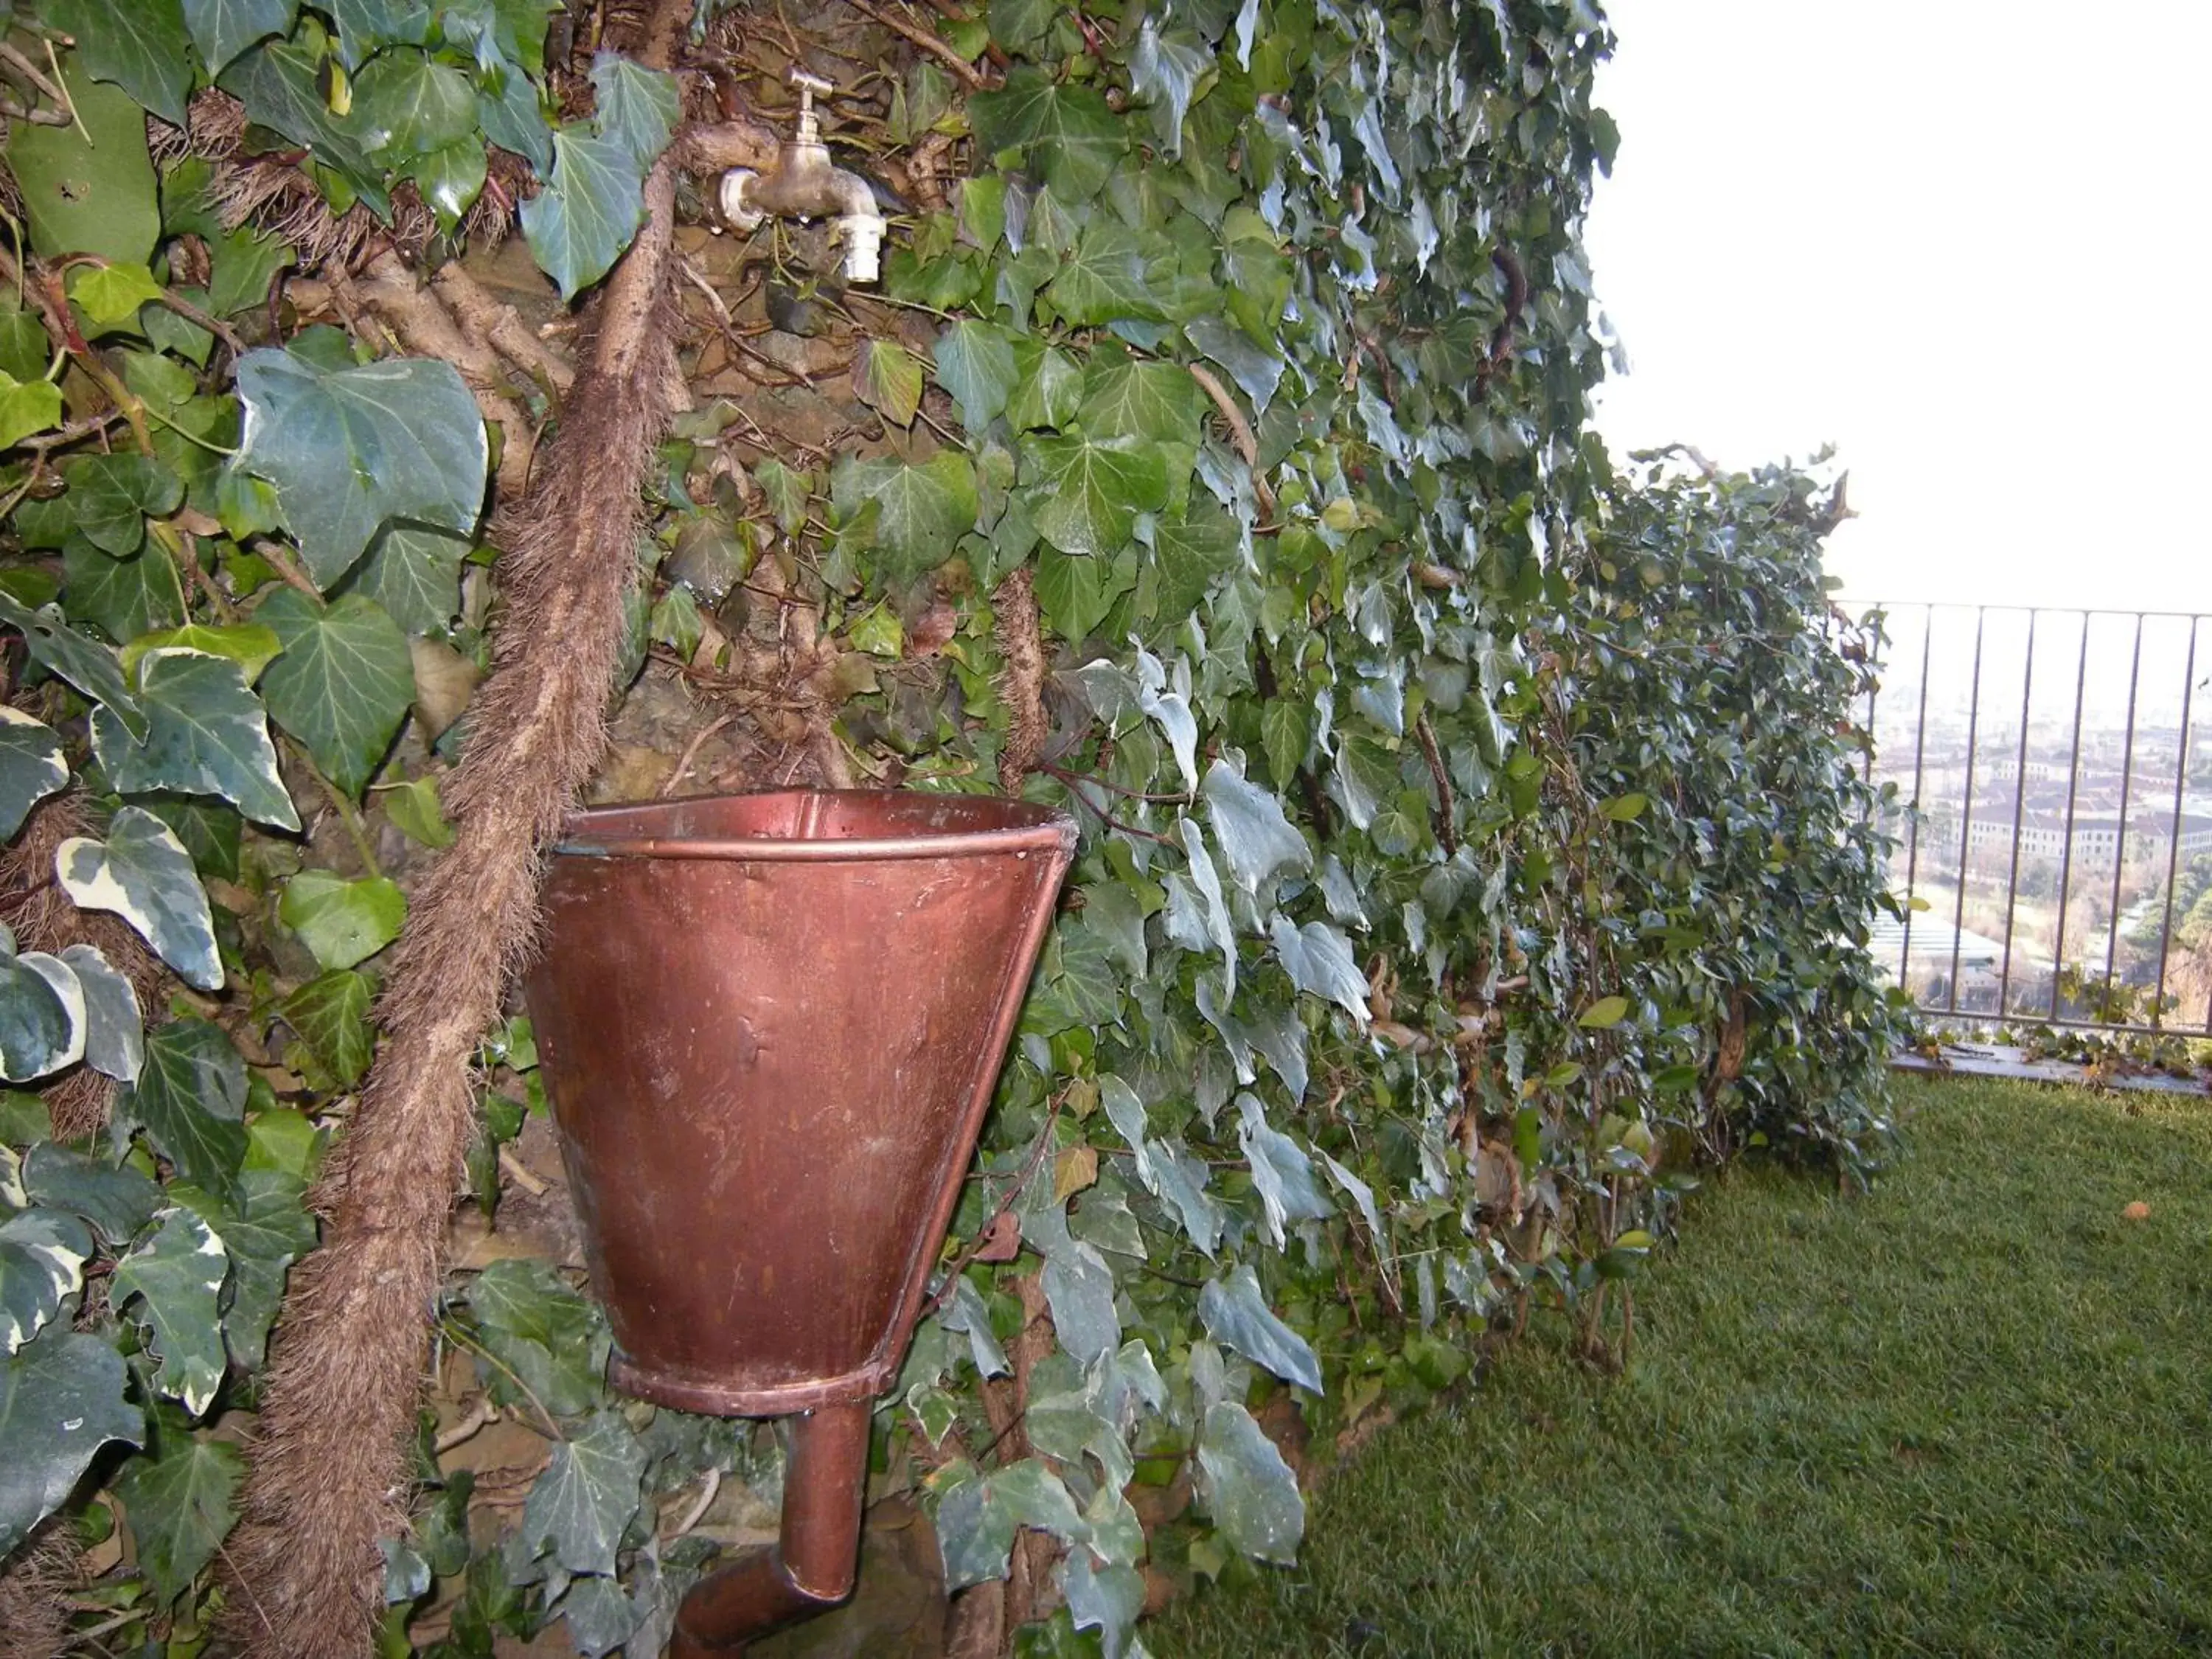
(2052, 820)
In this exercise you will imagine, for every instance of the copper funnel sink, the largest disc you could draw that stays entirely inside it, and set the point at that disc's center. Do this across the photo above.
(770, 1026)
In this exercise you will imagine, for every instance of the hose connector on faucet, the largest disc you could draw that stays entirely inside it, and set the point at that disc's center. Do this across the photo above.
(804, 183)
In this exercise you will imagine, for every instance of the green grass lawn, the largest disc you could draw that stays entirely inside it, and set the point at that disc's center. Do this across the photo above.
(1970, 1413)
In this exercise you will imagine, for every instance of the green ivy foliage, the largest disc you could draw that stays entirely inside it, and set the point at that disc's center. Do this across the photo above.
(1476, 843)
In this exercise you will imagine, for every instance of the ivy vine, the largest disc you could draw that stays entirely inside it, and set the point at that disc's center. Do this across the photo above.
(1477, 837)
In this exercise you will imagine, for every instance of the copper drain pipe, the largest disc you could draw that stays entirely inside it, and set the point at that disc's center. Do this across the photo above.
(810, 1566)
(770, 1026)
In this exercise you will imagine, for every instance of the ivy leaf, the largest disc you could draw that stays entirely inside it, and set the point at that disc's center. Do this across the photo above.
(1067, 131)
(977, 1518)
(1255, 273)
(887, 377)
(114, 1030)
(600, 1617)
(635, 106)
(84, 663)
(264, 1230)
(124, 598)
(330, 1014)
(406, 103)
(1603, 1014)
(1078, 593)
(1259, 844)
(1017, 25)
(343, 685)
(922, 510)
(27, 406)
(450, 178)
(42, 1257)
(32, 767)
(176, 1276)
(1257, 370)
(351, 449)
(1166, 70)
(1250, 1491)
(341, 922)
(141, 48)
(223, 28)
(975, 366)
(61, 1400)
(89, 187)
(115, 1198)
(1098, 487)
(542, 1332)
(250, 645)
(1186, 560)
(414, 808)
(190, 1100)
(365, 27)
(1050, 390)
(279, 83)
(510, 114)
(108, 297)
(1107, 278)
(578, 226)
(1107, 1599)
(1127, 397)
(207, 736)
(1281, 1172)
(587, 1496)
(787, 494)
(180, 1505)
(1235, 1312)
(41, 1016)
(1320, 962)
(143, 874)
(415, 574)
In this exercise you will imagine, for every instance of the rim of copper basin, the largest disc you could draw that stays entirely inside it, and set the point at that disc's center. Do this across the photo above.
(1049, 830)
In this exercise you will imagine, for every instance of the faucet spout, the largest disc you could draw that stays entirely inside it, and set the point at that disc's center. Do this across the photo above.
(805, 183)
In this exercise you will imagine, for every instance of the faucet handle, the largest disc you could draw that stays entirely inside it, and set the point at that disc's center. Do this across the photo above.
(810, 132)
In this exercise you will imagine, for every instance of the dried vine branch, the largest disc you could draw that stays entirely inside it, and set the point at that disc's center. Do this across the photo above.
(331, 1474)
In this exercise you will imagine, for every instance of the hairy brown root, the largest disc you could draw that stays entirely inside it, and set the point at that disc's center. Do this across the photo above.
(43, 917)
(329, 1474)
(1019, 625)
(34, 1589)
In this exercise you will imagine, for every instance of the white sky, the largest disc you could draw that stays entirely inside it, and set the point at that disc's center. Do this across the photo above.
(1968, 243)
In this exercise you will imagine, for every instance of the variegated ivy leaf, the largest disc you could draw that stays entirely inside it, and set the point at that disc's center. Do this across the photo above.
(175, 1277)
(1235, 1311)
(83, 662)
(114, 1030)
(143, 874)
(41, 1016)
(208, 736)
(32, 767)
(1249, 1490)
(42, 1257)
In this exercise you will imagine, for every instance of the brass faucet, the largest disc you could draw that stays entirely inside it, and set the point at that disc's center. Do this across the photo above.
(803, 184)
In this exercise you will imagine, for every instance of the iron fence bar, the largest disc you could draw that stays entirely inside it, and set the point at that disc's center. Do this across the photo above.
(1912, 820)
(2019, 821)
(2073, 794)
(2173, 845)
(2120, 832)
(1966, 811)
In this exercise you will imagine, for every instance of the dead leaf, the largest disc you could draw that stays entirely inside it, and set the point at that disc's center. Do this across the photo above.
(1076, 1168)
